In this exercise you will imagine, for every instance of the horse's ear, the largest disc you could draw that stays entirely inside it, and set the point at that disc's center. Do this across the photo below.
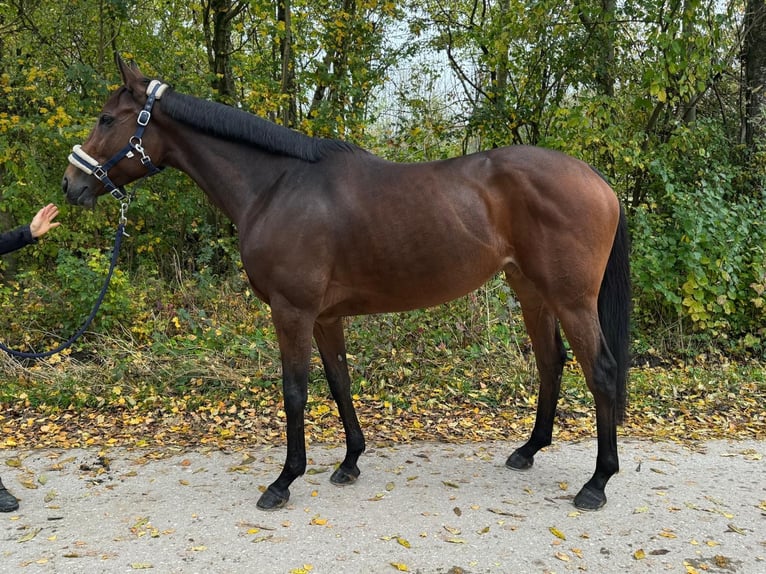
(131, 75)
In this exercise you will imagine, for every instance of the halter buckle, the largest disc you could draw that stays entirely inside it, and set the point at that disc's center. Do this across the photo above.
(143, 118)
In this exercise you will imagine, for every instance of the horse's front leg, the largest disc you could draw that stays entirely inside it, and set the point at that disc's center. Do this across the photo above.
(332, 347)
(294, 334)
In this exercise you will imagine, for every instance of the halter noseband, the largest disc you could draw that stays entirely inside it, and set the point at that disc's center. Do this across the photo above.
(86, 163)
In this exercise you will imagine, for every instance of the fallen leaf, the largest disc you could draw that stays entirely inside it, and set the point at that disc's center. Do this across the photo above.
(316, 521)
(557, 533)
(736, 529)
(400, 567)
(722, 561)
(403, 541)
(30, 535)
(639, 554)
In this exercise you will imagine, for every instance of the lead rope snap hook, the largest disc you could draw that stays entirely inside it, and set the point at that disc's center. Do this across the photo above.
(124, 213)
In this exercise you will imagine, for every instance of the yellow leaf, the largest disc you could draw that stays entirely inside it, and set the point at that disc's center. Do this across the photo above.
(639, 554)
(400, 567)
(316, 521)
(141, 566)
(557, 533)
(403, 541)
(30, 535)
(736, 529)
(561, 556)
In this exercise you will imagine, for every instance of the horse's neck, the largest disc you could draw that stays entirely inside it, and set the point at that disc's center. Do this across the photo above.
(233, 176)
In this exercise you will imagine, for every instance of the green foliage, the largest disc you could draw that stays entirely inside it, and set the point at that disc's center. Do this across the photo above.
(701, 242)
(658, 114)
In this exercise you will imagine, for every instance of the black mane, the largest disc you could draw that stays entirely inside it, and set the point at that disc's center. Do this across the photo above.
(237, 125)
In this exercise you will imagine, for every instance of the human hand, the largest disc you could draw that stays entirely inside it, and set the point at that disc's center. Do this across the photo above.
(43, 222)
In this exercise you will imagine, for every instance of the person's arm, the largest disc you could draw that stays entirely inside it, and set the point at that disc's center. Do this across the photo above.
(16, 239)
(41, 224)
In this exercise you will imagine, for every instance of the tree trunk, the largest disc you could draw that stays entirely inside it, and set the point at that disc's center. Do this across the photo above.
(600, 27)
(287, 81)
(218, 16)
(754, 66)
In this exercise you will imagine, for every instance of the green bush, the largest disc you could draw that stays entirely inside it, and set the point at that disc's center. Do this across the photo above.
(698, 248)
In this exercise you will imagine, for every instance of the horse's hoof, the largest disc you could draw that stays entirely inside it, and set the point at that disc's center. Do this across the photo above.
(342, 477)
(271, 500)
(518, 461)
(589, 499)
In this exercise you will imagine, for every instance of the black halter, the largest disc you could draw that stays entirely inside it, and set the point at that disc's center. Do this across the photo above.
(86, 163)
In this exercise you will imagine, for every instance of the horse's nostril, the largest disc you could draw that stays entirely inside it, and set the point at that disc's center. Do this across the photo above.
(64, 185)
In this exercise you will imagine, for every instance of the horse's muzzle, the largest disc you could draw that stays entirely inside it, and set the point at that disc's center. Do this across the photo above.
(77, 195)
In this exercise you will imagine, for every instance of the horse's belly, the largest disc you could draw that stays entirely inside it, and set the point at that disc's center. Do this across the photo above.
(406, 286)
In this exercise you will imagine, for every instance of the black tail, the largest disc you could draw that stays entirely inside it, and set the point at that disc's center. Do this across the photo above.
(614, 303)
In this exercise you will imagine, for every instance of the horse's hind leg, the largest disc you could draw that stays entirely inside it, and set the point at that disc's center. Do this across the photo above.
(332, 348)
(582, 328)
(550, 356)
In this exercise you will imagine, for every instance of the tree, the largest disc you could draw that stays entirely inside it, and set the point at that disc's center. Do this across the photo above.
(218, 22)
(754, 65)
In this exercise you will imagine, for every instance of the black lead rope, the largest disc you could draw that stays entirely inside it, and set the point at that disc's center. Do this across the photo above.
(89, 320)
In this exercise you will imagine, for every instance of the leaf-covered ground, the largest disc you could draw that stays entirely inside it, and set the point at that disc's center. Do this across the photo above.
(63, 403)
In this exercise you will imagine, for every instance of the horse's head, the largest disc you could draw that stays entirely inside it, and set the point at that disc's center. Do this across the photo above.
(120, 149)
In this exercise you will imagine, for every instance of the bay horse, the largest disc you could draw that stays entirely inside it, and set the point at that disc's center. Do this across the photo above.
(328, 230)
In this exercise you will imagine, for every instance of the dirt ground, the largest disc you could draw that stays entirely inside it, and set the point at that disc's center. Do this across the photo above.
(420, 507)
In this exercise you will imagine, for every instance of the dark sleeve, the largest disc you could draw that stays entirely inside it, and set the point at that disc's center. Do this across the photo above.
(15, 239)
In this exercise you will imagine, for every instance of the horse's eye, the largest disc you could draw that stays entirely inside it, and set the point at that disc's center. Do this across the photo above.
(105, 120)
